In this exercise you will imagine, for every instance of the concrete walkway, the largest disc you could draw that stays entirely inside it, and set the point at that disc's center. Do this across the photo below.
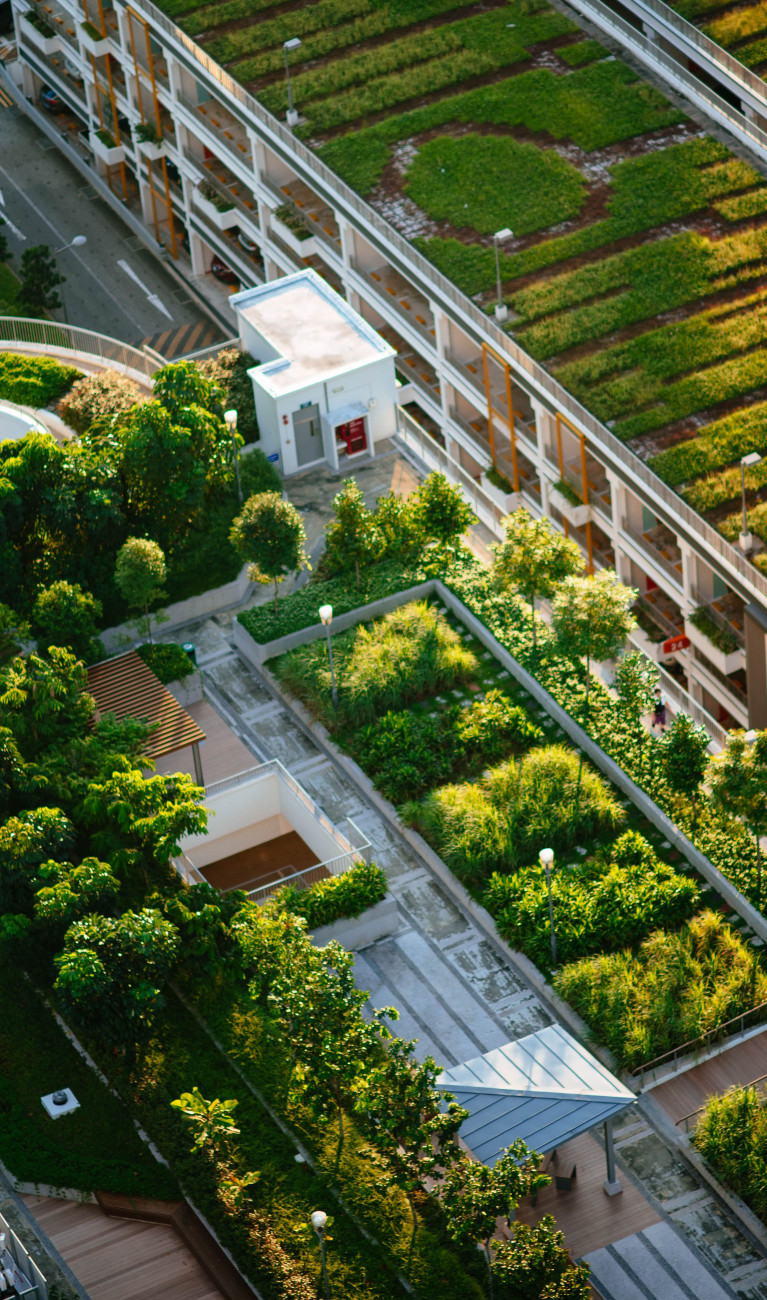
(460, 997)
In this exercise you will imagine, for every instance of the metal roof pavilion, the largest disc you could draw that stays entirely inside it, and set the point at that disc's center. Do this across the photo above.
(544, 1088)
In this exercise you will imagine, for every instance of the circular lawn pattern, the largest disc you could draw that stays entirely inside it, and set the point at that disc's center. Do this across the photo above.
(490, 182)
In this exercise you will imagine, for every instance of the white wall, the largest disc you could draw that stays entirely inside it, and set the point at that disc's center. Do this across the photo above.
(253, 813)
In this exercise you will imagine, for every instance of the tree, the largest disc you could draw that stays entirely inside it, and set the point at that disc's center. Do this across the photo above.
(738, 784)
(229, 371)
(163, 470)
(212, 1121)
(26, 842)
(139, 573)
(474, 1196)
(96, 399)
(443, 514)
(182, 384)
(138, 823)
(269, 533)
(402, 1110)
(74, 891)
(40, 280)
(592, 618)
(112, 973)
(45, 700)
(684, 748)
(320, 1017)
(352, 537)
(66, 615)
(535, 1265)
(13, 630)
(635, 680)
(533, 559)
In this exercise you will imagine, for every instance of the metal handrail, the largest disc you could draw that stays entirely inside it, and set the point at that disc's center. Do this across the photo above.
(71, 338)
(332, 867)
(723, 1030)
(686, 1118)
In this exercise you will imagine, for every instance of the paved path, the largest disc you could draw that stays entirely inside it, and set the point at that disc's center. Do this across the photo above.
(458, 996)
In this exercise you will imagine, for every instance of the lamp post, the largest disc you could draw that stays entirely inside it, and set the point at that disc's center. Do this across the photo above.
(319, 1222)
(745, 540)
(288, 47)
(77, 242)
(546, 857)
(230, 419)
(501, 310)
(326, 617)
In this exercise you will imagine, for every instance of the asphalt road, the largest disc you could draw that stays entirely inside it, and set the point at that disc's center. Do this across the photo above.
(113, 283)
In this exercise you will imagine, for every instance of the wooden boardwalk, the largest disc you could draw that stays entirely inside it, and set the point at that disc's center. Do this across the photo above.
(222, 752)
(684, 1094)
(586, 1215)
(120, 1259)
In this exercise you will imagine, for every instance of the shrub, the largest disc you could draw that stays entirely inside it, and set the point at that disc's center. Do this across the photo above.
(732, 1136)
(34, 381)
(582, 52)
(229, 371)
(65, 615)
(724, 639)
(347, 895)
(676, 987)
(167, 661)
(408, 753)
(719, 444)
(503, 819)
(609, 902)
(94, 399)
(411, 652)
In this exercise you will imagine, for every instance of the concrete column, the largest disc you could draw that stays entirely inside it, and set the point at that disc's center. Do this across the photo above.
(611, 1186)
(688, 577)
(756, 666)
(198, 776)
(650, 33)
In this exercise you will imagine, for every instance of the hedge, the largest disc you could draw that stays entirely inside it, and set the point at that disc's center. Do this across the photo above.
(337, 898)
(34, 381)
(167, 661)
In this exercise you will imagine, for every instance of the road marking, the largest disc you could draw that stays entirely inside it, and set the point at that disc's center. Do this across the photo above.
(6, 221)
(5, 98)
(151, 297)
(72, 251)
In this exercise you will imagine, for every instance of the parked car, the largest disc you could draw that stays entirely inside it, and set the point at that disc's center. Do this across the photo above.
(51, 101)
(224, 273)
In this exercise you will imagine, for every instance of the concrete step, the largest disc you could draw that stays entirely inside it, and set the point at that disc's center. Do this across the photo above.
(655, 1264)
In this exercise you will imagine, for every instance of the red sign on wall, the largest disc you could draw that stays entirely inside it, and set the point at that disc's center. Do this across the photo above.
(675, 643)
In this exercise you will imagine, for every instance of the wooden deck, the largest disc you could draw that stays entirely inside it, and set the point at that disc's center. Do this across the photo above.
(273, 860)
(684, 1094)
(117, 1259)
(586, 1215)
(222, 752)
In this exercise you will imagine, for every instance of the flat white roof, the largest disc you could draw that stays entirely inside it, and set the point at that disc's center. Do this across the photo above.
(316, 333)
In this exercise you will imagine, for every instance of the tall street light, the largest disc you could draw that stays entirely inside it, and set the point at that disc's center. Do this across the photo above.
(745, 540)
(77, 242)
(288, 47)
(546, 857)
(326, 617)
(319, 1223)
(230, 419)
(501, 310)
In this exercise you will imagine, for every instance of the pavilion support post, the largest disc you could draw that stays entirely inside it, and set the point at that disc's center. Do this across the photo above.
(198, 776)
(612, 1185)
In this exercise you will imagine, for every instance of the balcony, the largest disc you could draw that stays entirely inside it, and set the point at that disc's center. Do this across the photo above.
(393, 289)
(319, 218)
(731, 686)
(658, 619)
(223, 129)
(229, 189)
(291, 229)
(93, 41)
(41, 34)
(106, 149)
(412, 368)
(716, 629)
(659, 545)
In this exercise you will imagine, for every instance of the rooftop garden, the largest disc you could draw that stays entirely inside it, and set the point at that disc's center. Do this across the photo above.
(741, 29)
(636, 271)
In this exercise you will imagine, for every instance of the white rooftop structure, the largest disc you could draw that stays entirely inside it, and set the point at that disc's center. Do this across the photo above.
(544, 1088)
(325, 388)
(16, 421)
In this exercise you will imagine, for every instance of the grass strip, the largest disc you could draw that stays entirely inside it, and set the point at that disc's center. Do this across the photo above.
(721, 443)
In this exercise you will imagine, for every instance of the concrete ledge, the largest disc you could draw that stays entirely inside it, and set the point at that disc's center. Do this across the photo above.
(184, 611)
(188, 690)
(355, 932)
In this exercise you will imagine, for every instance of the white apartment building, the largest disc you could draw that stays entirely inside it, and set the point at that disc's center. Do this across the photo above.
(225, 179)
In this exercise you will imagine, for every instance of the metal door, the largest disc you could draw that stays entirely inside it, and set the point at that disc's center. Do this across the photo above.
(308, 434)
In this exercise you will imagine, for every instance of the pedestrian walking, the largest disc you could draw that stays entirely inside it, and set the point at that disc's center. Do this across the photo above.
(659, 710)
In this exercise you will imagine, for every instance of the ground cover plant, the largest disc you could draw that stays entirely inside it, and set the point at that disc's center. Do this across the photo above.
(676, 986)
(730, 1134)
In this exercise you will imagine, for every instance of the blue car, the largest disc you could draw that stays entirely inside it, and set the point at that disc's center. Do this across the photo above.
(51, 101)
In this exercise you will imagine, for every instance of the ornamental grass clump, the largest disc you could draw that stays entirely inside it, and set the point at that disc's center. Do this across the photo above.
(675, 988)
(732, 1137)
(410, 653)
(610, 901)
(500, 822)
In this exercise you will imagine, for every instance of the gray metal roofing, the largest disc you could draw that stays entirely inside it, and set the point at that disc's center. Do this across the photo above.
(544, 1088)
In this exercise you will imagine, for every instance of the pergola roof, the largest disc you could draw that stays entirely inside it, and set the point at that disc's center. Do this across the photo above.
(544, 1088)
(126, 687)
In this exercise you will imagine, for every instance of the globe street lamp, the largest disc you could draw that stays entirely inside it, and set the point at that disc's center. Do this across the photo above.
(288, 47)
(319, 1222)
(745, 540)
(230, 419)
(501, 310)
(546, 857)
(77, 242)
(326, 617)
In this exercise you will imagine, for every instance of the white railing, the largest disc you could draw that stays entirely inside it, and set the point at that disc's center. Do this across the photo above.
(403, 256)
(15, 1258)
(309, 876)
(70, 338)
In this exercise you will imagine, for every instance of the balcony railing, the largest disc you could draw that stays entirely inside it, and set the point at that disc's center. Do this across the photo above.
(669, 1061)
